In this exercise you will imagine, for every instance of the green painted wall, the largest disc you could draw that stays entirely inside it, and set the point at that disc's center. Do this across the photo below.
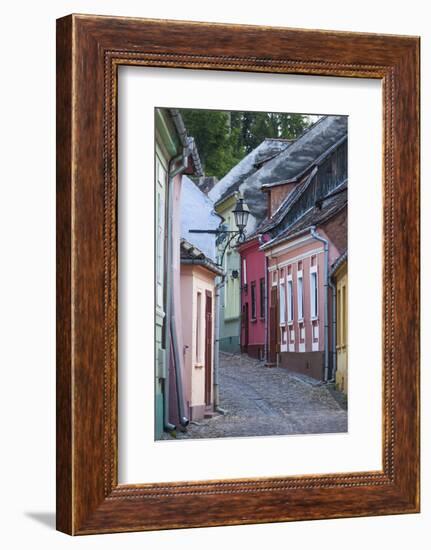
(167, 146)
(230, 322)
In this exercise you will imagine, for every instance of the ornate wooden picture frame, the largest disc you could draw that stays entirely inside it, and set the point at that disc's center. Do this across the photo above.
(89, 51)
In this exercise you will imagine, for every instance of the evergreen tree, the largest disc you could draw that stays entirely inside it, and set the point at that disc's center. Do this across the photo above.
(224, 138)
(218, 143)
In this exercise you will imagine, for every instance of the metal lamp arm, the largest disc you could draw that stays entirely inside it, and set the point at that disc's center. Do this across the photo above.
(231, 238)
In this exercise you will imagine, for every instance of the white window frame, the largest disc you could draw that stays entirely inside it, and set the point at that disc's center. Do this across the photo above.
(314, 293)
(282, 302)
(290, 312)
(244, 271)
(198, 332)
(291, 339)
(315, 337)
(300, 295)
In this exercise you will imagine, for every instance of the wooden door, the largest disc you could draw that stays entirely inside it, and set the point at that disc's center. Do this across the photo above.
(245, 327)
(208, 346)
(273, 327)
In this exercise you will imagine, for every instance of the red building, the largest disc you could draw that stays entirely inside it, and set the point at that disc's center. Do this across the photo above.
(253, 298)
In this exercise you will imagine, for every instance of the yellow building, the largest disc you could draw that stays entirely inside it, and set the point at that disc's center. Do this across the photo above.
(339, 276)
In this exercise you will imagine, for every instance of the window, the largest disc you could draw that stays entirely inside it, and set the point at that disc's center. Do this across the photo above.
(313, 294)
(244, 271)
(300, 298)
(253, 300)
(290, 300)
(198, 326)
(262, 298)
(282, 303)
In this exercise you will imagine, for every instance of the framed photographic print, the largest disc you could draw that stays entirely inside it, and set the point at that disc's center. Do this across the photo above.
(237, 274)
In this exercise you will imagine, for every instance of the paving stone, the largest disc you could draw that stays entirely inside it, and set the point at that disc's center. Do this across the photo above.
(268, 401)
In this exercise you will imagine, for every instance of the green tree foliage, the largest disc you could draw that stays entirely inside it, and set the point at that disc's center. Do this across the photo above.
(258, 126)
(218, 143)
(224, 138)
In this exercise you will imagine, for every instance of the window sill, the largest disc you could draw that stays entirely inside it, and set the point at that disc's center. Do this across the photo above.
(253, 320)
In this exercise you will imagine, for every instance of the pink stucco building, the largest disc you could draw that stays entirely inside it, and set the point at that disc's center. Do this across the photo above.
(192, 316)
(301, 330)
(198, 280)
(307, 232)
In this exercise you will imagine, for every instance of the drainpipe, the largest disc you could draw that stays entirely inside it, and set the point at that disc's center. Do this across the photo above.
(216, 373)
(170, 332)
(316, 236)
(265, 301)
(216, 396)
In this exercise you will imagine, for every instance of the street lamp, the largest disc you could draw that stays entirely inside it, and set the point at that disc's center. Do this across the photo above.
(241, 214)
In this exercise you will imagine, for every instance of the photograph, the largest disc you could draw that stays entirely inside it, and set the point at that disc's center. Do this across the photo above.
(214, 239)
(251, 277)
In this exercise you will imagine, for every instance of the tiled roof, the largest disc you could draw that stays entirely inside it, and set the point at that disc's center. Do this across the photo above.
(231, 182)
(186, 140)
(338, 262)
(278, 215)
(191, 254)
(306, 150)
(316, 215)
(293, 162)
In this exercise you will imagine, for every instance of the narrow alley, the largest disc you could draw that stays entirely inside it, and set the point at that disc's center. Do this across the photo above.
(268, 401)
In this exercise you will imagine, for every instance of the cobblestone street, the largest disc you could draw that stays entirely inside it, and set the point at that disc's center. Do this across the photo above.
(268, 401)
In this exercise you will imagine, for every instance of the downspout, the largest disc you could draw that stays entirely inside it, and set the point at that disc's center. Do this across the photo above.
(216, 383)
(316, 236)
(265, 301)
(170, 332)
